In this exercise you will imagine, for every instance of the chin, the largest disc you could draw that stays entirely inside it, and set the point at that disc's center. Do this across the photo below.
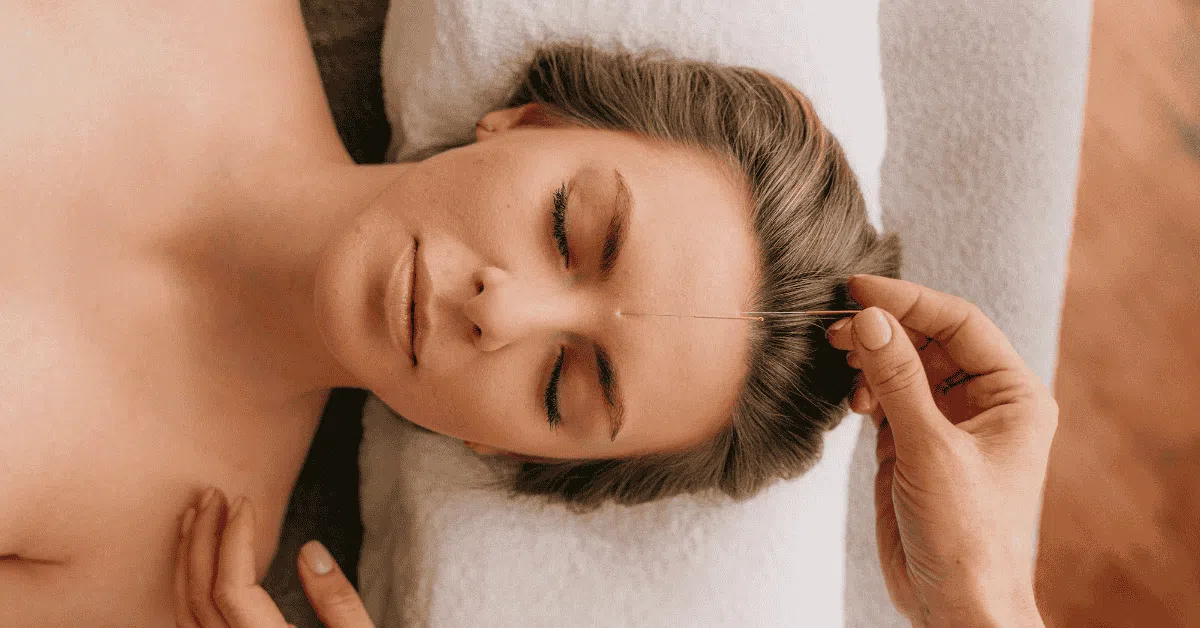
(348, 302)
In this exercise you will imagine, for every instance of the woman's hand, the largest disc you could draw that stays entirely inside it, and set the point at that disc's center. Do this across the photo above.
(215, 582)
(961, 463)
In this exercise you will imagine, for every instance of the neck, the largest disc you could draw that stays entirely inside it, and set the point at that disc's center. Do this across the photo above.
(253, 256)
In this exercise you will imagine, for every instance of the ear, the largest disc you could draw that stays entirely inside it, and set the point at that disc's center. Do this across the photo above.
(527, 115)
(482, 450)
(486, 450)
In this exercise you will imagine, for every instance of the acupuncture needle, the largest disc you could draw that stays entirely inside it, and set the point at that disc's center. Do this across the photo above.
(747, 316)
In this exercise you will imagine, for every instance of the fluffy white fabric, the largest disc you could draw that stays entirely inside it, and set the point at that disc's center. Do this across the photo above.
(448, 62)
(441, 548)
(984, 113)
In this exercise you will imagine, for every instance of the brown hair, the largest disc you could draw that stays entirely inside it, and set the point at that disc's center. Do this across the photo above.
(811, 226)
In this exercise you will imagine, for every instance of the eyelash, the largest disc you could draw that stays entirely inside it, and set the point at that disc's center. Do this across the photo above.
(552, 415)
(559, 216)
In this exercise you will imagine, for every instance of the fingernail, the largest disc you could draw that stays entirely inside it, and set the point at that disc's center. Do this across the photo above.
(206, 497)
(188, 518)
(836, 327)
(872, 329)
(861, 403)
(317, 557)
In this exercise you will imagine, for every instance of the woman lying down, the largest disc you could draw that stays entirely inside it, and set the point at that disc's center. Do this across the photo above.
(191, 261)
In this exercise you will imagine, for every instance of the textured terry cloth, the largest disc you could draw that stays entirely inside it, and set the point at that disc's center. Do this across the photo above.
(442, 548)
(446, 63)
(985, 113)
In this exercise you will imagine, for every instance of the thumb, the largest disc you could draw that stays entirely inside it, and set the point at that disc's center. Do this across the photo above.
(328, 590)
(893, 370)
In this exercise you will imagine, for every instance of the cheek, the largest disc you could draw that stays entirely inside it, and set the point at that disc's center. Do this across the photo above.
(487, 401)
(475, 191)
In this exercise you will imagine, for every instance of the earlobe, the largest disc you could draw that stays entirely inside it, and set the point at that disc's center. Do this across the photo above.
(482, 450)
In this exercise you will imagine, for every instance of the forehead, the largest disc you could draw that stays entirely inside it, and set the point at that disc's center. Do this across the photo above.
(690, 250)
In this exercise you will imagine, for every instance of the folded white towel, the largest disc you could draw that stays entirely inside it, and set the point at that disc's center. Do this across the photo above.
(446, 63)
(440, 548)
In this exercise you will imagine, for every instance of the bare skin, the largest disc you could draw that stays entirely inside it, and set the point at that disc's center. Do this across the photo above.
(129, 377)
(191, 261)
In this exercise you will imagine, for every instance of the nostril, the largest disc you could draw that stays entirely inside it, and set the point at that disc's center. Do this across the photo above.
(478, 287)
(477, 331)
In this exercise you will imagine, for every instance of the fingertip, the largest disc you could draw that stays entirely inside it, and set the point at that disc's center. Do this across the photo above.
(329, 591)
(839, 325)
(858, 283)
(316, 558)
(872, 329)
(853, 360)
(862, 402)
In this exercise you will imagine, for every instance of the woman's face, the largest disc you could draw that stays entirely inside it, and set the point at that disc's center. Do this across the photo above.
(520, 253)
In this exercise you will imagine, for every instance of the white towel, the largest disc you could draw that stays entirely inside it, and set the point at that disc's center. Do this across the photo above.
(442, 549)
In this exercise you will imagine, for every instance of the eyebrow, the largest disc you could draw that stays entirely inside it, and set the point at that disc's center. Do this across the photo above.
(618, 228)
(614, 241)
(612, 394)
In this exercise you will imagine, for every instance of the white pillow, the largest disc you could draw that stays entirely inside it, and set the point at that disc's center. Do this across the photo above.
(440, 551)
(446, 63)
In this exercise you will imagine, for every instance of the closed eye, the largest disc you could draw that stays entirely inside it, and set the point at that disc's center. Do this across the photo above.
(552, 415)
(559, 217)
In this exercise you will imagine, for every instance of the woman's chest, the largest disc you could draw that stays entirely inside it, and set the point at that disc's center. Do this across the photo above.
(92, 492)
(101, 451)
(113, 415)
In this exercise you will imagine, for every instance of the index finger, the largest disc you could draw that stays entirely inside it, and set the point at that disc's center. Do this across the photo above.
(961, 328)
(244, 603)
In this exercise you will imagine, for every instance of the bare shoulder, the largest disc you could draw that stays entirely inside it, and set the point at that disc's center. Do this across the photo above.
(225, 67)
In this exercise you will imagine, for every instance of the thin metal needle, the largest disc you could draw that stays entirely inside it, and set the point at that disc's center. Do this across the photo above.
(749, 316)
(734, 318)
(812, 312)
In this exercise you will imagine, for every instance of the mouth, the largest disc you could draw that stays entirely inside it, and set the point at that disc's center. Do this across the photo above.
(400, 304)
(419, 305)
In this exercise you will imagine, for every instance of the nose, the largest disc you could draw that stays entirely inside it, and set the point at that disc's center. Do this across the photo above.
(506, 309)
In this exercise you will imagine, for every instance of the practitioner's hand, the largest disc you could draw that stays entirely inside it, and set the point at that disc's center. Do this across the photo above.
(215, 583)
(961, 463)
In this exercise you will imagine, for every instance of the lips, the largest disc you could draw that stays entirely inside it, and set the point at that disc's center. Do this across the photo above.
(399, 303)
(420, 303)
